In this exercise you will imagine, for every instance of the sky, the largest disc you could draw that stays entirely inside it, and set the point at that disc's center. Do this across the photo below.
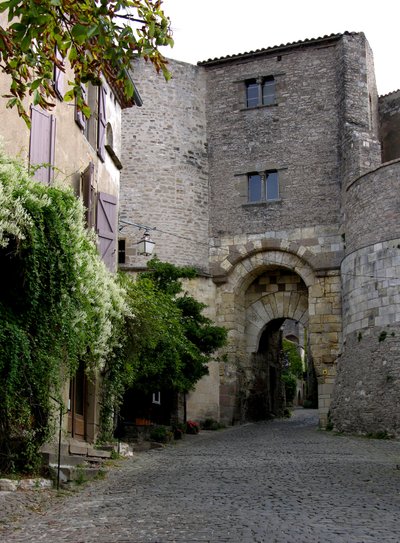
(206, 29)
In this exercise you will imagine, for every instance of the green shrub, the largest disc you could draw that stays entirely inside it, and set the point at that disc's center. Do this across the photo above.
(290, 383)
(211, 424)
(179, 430)
(161, 434)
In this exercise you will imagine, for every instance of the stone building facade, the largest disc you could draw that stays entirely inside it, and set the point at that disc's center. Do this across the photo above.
(65, 149)
(268, 171)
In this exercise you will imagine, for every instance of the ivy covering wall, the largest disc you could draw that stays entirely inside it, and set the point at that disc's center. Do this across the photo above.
(58, 305)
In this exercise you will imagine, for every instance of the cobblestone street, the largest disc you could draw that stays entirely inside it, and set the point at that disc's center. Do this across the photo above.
(280, 481)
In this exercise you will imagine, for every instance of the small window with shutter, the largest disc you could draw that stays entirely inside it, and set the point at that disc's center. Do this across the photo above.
(80, 118)
(88, 195)
(42, 144)
(102, 124)
(58, 77)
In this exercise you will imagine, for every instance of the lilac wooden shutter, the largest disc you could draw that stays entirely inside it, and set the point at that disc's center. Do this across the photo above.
(101, 127)
(80, 118)
(59, 78)
(107, 228)
(88, 194)
(42, 144)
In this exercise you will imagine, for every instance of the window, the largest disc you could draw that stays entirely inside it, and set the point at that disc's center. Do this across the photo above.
(260, 92)
(58, 77)
(263, 186)
(121, 251)
(88, 195)
(42, 144)
(94, 128)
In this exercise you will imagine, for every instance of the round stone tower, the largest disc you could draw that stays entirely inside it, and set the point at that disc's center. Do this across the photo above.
(368, 383)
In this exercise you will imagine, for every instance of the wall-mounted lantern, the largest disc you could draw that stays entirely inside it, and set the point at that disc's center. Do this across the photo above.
(146, 245)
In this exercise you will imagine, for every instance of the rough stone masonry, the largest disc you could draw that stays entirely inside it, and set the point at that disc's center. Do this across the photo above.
(279, 161)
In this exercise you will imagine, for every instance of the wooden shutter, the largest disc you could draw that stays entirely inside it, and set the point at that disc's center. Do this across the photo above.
(101, 127)
(59, 78)
(42, 144)
(88, 194)
(80, 118)
(106, 218)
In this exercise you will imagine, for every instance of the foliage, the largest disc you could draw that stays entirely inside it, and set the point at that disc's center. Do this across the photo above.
(211, 424)
(290, 382)
(170, 340)
(294, 369)
(309, 404)
(61, 306)
(165, 342)
(179, 430)
(161, 434)
(295, 362)
(92, 37)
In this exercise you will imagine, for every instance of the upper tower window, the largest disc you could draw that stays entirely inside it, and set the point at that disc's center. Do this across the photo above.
(260, 92)
(263, 187)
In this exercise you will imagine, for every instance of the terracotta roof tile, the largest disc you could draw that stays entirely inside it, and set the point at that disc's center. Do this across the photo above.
(290, 45)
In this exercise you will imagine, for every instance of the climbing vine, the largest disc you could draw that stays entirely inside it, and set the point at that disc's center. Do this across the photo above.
(58, 306)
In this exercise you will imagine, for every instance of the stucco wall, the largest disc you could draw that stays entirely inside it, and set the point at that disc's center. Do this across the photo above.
(73, 152)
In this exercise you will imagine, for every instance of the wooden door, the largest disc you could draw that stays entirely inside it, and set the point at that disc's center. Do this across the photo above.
(77, 404)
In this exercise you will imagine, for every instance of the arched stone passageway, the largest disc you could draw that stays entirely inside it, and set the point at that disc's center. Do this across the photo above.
(267, 287)
(280, 373)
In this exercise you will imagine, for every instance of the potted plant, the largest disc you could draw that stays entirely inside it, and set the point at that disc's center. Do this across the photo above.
(192, 427)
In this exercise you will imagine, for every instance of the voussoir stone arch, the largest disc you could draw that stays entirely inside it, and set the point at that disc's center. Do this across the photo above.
(277, 305)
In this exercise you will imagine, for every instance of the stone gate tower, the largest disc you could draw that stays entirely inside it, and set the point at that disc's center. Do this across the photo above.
(264, 171)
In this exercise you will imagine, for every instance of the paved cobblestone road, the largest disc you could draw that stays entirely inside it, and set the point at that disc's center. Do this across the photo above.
(280, 481)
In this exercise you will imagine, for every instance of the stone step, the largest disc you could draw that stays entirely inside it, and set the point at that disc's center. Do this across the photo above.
(98, 453)
(76, 474)
(65, 459)
(52, 448)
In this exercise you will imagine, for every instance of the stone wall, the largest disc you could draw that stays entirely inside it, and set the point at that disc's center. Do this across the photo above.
(164, 181)
(297, 136)
(372, 207)
(195, 141)
(368, 384)
(360, 149)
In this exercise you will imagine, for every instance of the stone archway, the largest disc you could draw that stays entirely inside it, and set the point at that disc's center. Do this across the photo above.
(316, 304)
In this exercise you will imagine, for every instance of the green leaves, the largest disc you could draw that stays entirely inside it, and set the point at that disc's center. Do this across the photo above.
(94, 38)
(61, 305)
(170, 341)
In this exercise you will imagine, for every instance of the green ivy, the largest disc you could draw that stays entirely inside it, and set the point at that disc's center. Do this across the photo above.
(59, 305)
